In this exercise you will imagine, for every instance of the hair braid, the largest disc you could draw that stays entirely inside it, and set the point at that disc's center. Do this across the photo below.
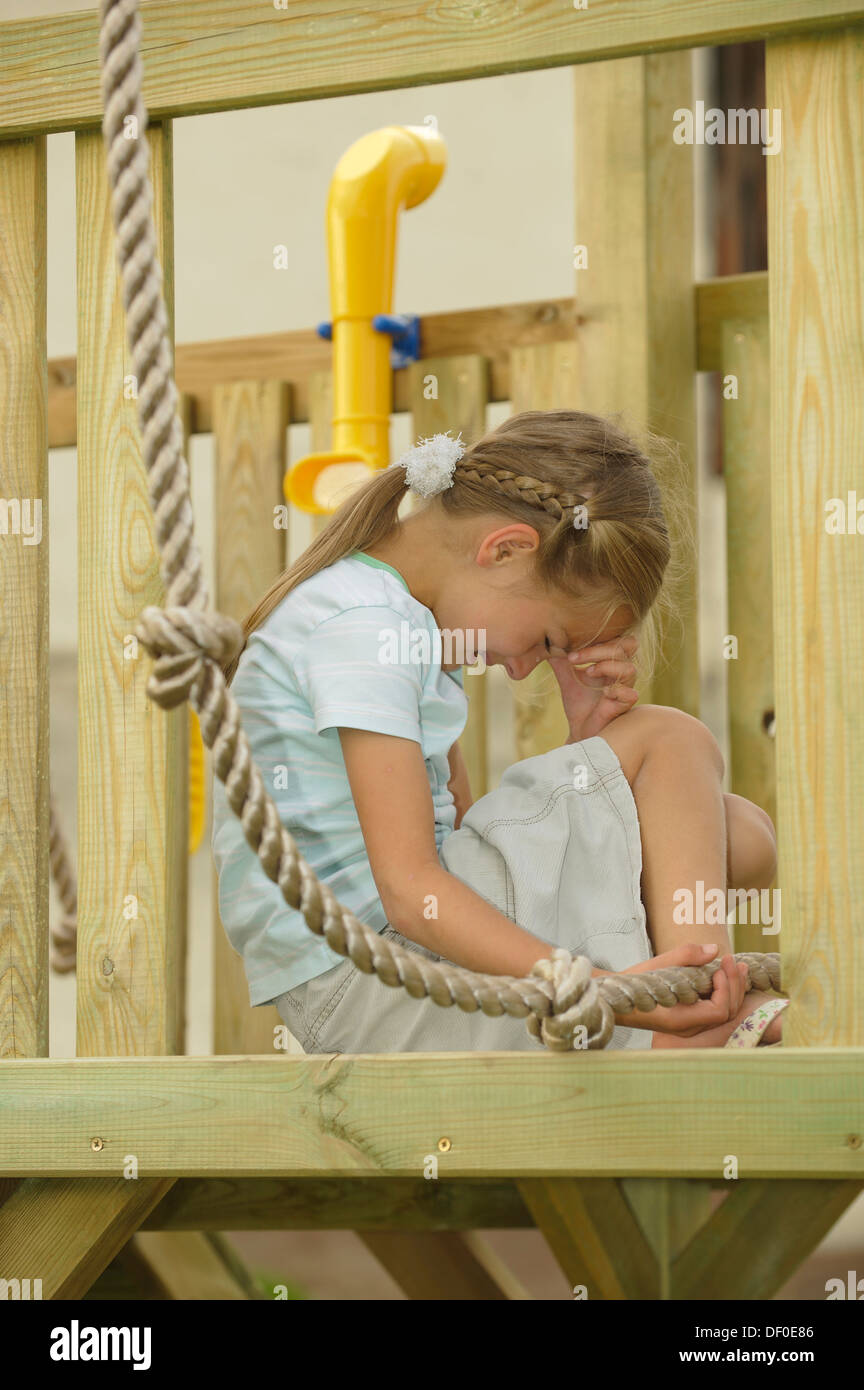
(520, 486)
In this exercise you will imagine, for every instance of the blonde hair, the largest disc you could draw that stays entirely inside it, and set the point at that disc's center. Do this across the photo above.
(553, 469)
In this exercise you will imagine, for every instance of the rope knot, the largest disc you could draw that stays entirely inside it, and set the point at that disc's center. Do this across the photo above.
(180, 640)
(580, 1016)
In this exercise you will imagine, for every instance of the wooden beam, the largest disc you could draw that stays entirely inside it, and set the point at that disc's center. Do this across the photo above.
(66, 1232)
(816, 254)
(301, 356)
(24, 743)
(187, 1265)
(718, 302)
(133, 756)
(670, 1211)
(594, 1236)
(339, 1204)
(250, 424)
(221, 55)
(786, 1112)
(441, 1266)
(636, 346)
(758, 1237)
(493, 332)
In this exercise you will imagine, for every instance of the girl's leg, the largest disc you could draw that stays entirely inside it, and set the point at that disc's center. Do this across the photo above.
(675, 769)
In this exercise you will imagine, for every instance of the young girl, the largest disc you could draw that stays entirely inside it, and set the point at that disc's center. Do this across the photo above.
(543, 541)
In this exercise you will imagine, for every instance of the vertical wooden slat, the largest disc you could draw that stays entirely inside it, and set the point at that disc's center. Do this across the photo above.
(747, 472)
(461, 386)
(132, 800)
(542, 378)
(636, 339)
(250, 422)
(816, 255)
(23, 603)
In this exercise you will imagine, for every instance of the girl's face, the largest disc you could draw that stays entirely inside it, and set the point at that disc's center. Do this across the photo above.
(516, 632)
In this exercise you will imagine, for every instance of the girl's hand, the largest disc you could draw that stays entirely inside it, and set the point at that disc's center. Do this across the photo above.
(686, 1020)
(593, 698)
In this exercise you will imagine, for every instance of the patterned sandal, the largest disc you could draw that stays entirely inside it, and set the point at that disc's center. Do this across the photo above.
(749, 1033)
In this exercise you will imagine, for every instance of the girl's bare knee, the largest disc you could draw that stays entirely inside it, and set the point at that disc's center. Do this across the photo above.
(632, 736)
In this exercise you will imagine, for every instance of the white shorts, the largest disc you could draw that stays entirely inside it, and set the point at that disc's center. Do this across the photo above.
(556, 847)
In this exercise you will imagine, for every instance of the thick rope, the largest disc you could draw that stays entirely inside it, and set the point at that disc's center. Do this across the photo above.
(564, 1006)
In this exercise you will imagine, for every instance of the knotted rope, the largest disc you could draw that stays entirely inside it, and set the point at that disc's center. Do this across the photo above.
(565, 1007)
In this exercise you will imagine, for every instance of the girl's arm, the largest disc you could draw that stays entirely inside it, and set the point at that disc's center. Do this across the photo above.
(459, 784)
(432, 907)
(422, 900)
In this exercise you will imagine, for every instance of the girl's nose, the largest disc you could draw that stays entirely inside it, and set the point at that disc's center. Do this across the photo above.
(519, 667)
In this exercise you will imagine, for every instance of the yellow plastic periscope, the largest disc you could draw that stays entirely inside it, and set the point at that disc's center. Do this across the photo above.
(196, 782)
(398, 166)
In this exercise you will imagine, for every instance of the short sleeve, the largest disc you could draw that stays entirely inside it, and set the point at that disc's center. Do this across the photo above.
(350, 678)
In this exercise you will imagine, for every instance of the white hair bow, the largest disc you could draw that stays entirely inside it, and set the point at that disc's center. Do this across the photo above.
(430, 465)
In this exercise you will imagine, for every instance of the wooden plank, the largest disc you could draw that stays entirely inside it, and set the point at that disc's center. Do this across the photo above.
(186, 1265)
(594, 1236)
(786, 1112)
(750, 669)
(250, 421)
(218, 55)
(339, 1204)
(758, 1237)
(442, 1266)
(24, 743)
(816, 254)
(670, 1211)
(491, 332)
(133, 756)
(542, 378)
(67, 1231)
(721, 299)
(461, 393)
(298, 356)
(636, 344)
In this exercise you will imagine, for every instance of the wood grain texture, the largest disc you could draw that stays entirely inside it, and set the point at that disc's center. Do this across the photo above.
(250, 422)
(750, 673)
(757, 1238)
(786, 1112)
(338, 1204)
(491, 332)
(594, 1236)
(442, 1266)
(133, 756)
(218, 55)
(459, 405)
(636, 344)
(816, 254)
(24, 726)
(68, 1231)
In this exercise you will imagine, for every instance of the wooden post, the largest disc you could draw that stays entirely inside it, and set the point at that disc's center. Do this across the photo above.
(747, 472)
(816, 255)
(23, 603)
(250, 422)
(636, 339)
(461, 386)
(132, 798)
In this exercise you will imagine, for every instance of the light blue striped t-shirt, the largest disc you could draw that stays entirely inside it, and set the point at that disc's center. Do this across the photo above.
(343, 648)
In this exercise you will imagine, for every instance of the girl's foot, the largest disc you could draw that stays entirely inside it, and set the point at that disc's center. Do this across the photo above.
(721, 1036)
